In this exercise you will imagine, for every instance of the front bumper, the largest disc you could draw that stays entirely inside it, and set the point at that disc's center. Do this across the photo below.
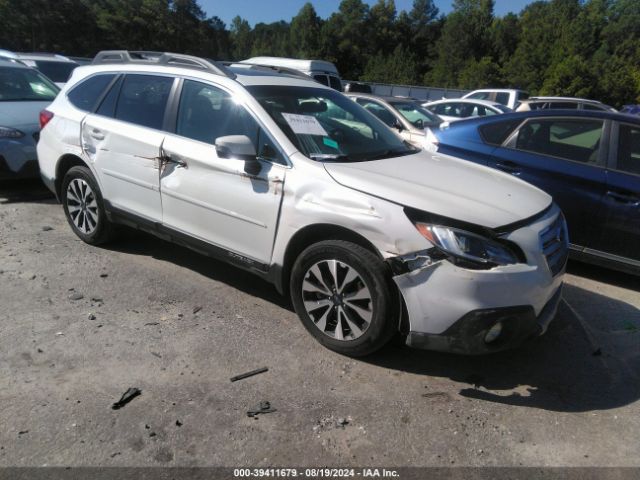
(467, 335)
(18, 158)
(450, 308)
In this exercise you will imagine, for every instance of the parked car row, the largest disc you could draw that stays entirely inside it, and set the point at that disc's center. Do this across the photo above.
(341, 201)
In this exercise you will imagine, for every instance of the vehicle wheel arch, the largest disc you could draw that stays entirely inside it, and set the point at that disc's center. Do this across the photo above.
(66, 163)
(315, 233)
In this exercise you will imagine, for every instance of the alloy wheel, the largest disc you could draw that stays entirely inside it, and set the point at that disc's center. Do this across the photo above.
(337, 299)
(82, 206)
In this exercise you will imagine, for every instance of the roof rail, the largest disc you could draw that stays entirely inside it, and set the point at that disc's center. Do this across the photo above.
(161, 58)
(258, 66)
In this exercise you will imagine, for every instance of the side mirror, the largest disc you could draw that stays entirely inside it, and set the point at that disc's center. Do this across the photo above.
(420, 124)
(397, 125)
(240, 147)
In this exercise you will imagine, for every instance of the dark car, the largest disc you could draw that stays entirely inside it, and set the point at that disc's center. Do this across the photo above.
(589, 161)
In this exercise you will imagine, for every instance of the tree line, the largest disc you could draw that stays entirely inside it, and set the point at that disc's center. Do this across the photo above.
(559, 47)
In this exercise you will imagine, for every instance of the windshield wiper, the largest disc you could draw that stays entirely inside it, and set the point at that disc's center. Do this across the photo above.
(391, 153)
(329, 157)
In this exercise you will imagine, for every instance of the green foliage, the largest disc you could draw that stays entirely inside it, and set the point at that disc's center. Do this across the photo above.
(587, 48)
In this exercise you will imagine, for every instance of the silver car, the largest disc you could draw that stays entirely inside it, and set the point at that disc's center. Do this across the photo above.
(24, 93)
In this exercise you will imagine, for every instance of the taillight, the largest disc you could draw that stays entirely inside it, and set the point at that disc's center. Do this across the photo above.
(45, 117)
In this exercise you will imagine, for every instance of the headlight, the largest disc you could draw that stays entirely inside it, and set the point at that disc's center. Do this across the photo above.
(479, 250)
(6, 132)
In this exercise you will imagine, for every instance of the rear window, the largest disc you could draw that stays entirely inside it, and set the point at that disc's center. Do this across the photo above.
(496, 133)
(56, 71)
(25, 84)
(503, 98)
(86, 94)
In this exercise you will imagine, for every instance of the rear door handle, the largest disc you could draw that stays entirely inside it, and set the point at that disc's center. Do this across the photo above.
(509, 167)
(96, 134)
(625, 198)
(177, 161)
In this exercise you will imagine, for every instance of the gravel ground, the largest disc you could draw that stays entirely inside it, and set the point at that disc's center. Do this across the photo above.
(79, 325)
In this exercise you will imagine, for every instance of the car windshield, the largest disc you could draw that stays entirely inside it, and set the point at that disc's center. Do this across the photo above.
(418, 116)
(25, 84)
(56, 71)
(327, 126)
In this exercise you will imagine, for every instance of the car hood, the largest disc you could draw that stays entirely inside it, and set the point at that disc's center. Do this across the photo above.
(445, 186)
(21, 114)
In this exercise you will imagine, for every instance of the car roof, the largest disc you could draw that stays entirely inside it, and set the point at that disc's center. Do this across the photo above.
(13, 64)
(295, 63)
(384, 98)
(509, 90)
(558, 113)
(562, 99)
(49, 57)
(486, 103)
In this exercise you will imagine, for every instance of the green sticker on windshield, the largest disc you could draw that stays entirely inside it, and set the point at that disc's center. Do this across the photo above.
(330, 143)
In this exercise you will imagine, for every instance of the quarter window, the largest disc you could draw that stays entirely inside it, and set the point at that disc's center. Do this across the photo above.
(143, 100)
(629, 149)
(573, 139)
(85, 95)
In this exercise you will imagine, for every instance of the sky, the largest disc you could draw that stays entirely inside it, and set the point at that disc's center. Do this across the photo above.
(267, 11)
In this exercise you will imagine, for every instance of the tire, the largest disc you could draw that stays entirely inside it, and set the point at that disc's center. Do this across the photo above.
(84, 207)
(361, 315)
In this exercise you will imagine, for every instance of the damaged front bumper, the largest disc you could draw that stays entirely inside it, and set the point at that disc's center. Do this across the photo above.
(472, 312)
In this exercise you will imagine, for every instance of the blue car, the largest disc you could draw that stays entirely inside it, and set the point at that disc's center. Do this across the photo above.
(589, 161)
(24, 93)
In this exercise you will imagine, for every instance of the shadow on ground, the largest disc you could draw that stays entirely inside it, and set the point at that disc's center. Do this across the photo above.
(569, 369)
(25, 191)
(604, 275)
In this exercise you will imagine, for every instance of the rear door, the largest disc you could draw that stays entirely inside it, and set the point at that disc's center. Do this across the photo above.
(620, 235)
(123, 139)
(564, 157)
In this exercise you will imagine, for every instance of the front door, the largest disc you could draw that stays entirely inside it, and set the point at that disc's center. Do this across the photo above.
(212, 198)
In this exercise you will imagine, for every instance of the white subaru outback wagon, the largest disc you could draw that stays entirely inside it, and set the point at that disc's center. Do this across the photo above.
(293, 181)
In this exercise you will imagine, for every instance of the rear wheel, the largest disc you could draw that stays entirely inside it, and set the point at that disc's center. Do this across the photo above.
(84, 208)
(344, 296)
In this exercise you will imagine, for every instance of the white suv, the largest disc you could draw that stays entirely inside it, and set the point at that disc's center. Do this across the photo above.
(295, 182)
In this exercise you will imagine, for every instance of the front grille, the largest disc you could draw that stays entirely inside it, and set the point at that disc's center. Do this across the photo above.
(554, 243)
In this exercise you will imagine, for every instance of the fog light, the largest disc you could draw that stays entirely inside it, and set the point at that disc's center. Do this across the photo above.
(493, 333)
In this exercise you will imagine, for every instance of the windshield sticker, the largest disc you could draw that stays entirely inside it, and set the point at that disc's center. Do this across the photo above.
(304, 124)
(330, 143)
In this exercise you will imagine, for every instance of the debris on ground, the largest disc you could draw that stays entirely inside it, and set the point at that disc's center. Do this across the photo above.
(178, 423)
(22, 432)
(46, 228)
(104, 275)
(262, 407)
(330, 423)
(196, 309)
(249, 374)
(341, 422)
(91, 316)
(156, 354)
(115, 454)
(150, 324)
(127, 396)
(76, 296)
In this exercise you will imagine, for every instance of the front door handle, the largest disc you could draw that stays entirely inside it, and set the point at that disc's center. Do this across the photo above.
(509, 167)
(628, 199)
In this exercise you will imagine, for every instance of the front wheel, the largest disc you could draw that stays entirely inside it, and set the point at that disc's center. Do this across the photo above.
(344, 296)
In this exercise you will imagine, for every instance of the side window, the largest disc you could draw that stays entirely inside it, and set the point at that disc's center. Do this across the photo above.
(564, 105)
(588, 106)
(379, 111)
(572, 139)
(629, 149)
(503, 98)
(85, 95)
(496, 133)
(108, 105)
(480, 95)
(206, 113)
(322, 79)
(143, 99)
